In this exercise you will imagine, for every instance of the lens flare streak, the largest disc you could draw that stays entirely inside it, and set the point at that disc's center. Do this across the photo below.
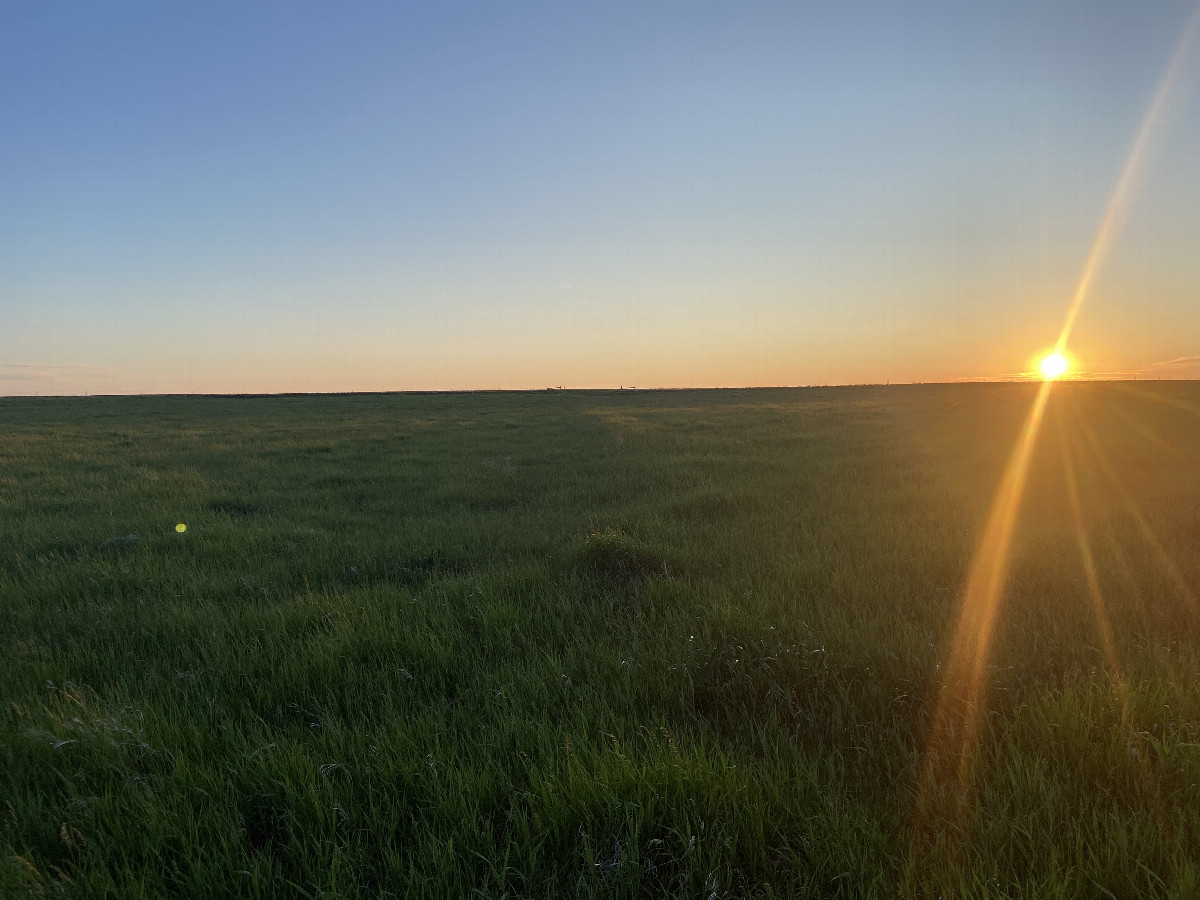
(952, 740)
(1150, 785)
(1114, 213)
(1091, 579)
(952, 737)
(1147, 531)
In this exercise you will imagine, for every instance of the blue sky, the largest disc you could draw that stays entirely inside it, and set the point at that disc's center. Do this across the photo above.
(272, 197)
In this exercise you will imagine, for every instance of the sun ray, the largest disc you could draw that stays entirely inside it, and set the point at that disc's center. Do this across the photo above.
(1153, 436)
(952, 738)
(1117, 552)
(1130, 173)
(1150, 783)
(1156, 397)
(1146, 529)
(1091, 578)
(950, 750)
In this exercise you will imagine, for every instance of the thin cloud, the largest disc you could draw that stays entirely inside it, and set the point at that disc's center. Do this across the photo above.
(1178, 361)
(1179, 367)
(1037, 376)
(31, 373)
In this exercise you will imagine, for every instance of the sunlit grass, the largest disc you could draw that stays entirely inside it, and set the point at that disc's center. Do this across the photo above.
(679, 644)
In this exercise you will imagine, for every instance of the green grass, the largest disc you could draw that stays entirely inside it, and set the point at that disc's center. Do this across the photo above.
(677, 644)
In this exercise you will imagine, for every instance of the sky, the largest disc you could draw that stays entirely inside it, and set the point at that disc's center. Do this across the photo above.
(269, 197)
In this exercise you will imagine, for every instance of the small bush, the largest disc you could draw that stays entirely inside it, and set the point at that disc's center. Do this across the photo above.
(613, 554)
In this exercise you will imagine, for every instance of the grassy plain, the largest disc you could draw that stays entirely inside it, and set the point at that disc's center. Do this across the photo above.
(677, 644)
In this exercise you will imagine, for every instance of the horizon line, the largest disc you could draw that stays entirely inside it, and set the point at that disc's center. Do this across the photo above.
(966, 380)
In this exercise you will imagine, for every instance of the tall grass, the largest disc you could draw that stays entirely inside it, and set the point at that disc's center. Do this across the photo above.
(591, 644)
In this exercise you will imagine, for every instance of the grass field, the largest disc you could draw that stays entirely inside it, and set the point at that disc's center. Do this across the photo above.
(637, 644)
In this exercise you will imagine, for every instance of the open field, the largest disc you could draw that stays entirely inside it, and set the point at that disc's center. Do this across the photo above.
(676, 644)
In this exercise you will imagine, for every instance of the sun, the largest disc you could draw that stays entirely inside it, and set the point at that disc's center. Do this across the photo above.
(1054, 366)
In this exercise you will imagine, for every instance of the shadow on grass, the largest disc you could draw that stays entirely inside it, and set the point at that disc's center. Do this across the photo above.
(235, 509)
(410, 572)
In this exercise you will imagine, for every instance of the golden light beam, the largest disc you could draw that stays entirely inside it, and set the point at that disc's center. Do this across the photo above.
(955, 722)
(1090, 577)
(1173, 402)
(1125, 567)
(1150, 785)
(1114, 213)
(1117, 552)
(952, 737)
(1147, 531)
(949, 754)
(1152, 436)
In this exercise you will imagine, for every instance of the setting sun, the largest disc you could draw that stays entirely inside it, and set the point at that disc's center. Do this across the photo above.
(1053, 366)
